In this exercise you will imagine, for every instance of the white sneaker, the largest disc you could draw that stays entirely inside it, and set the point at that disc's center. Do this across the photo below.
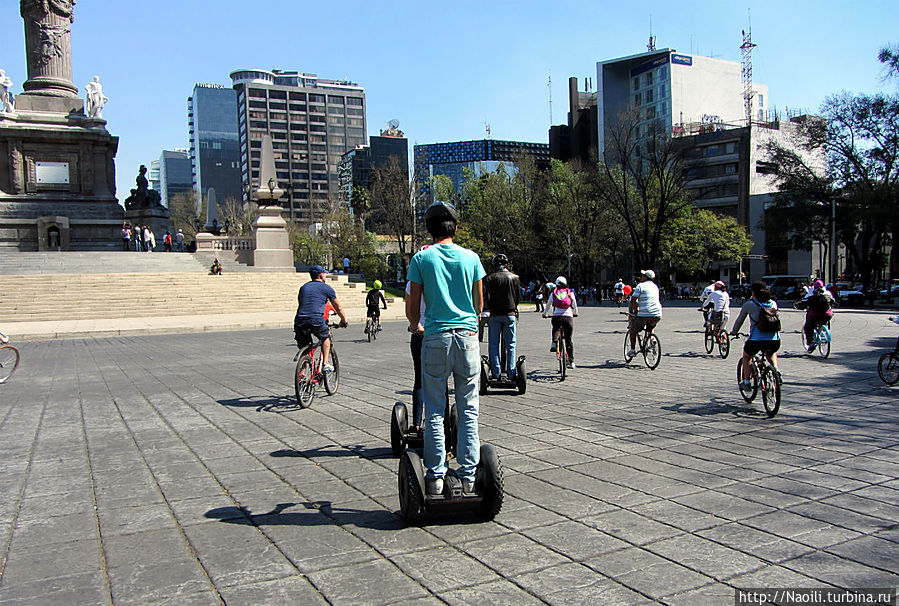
(328, 368)
(434, 486)
(571, 365)
(468, 486)
(631, 352)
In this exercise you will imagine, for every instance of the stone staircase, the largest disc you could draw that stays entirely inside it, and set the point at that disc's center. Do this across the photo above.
(73, 286)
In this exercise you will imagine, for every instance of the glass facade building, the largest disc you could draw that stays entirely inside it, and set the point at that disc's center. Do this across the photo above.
(214, 144)
(480, 156)
(175, 174)
(313, 122)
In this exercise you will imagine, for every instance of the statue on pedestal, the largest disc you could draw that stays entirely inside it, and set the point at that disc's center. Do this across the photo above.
(95, 99)
(143, 197)
(6, 106)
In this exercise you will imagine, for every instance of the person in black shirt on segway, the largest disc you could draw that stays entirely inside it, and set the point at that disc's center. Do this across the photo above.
(502, 293)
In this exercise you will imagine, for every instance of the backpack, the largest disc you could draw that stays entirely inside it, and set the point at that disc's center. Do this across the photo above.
(769, 320)
(564, 301)
(818, 303)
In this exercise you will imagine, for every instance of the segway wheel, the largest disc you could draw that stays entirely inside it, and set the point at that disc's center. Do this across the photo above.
(490, 482)
(483, 387)
(450, 427)
(411, 484)
(521, 376)
(399, 423)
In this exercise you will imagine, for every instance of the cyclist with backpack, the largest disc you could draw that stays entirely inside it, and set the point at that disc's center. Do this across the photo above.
(562, 305)
(818, 305)
(764, 328)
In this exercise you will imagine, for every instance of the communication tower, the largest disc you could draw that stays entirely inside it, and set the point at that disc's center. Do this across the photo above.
(748, 93)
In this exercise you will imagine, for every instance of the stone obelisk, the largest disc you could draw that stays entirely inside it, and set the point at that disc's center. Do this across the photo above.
(273, 250)
(59, 175)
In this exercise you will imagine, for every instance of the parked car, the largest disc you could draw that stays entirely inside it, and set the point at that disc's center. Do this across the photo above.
(851, 296)
(894, 292)
(780, 284)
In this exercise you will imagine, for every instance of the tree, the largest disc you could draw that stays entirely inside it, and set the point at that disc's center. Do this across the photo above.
(699, 236)
(641, 176)
(392, 206)
(889, 56)
(184, 212)
(858, 135)
(238, 216)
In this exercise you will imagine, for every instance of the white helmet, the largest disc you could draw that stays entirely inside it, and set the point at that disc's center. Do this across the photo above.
(561, 281)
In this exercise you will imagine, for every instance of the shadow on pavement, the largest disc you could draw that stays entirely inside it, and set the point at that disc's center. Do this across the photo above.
(264, 404)
(541, 375)
(719, 406)
(334, 450)
(313, 513)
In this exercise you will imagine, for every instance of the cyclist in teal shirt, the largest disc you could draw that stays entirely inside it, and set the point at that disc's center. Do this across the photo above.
(449, 278)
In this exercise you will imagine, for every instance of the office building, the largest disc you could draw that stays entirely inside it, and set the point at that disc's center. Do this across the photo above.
(312, 122)
(674, 89)
(175, 175)
(576, 140)
(356, 165)
(214, 146)
(480, 156)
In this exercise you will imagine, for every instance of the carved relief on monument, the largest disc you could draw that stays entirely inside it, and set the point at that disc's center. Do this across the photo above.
(40, 9)
(15, 167)
(50, 44)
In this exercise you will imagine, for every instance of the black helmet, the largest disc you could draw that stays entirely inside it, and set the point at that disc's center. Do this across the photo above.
(443, 211)
(500, 260)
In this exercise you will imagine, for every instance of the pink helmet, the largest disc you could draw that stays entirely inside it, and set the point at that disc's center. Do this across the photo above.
(819, 284)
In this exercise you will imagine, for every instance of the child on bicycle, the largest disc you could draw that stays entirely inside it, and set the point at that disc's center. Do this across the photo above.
(718, 301)
(764, 333)
(373, 302)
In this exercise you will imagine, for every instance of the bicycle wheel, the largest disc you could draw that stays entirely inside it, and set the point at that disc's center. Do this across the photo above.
(305, 389)
(823, 337)
(627, 348)
(709, 340)
(769, 383)
(888, 368)
(804, 340)
(748, 392)
(9, 361)
(652, 351)
(369, 330)
(723, 344)
(563, 358)
(332, 379)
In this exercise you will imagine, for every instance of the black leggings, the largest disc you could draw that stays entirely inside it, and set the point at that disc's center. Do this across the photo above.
(415, 348)
(566, 325)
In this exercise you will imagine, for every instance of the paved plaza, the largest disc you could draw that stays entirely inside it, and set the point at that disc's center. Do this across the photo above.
(176, 469)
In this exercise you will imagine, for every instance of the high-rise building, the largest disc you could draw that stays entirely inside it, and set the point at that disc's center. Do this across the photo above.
(576, 140)
(175, 174)
(674, 89)
(214, 145)
(480, 156)
(312, 122)
(356, 165)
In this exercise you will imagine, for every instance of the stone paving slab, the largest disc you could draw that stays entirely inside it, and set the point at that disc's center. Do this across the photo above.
(178, 469)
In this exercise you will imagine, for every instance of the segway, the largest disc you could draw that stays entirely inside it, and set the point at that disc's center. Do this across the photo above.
(502, 382)
(486, 500)
(401, 438)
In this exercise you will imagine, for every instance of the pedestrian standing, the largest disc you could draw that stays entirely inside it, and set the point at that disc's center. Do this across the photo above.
(179, 240)
(126, 237)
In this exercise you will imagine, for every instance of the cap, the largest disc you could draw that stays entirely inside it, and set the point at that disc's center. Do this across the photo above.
(317, 270)
(719, 284)
(648, 273)
(561, 281)
(443, 211)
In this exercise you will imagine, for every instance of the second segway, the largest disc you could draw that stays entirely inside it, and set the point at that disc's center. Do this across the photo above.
(486, 500)
(402, 436)
(503, 382)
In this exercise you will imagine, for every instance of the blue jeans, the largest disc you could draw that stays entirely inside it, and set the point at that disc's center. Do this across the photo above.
(453, 352)
(506, 326)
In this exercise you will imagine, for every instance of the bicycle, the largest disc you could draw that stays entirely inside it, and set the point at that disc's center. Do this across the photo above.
(714, 335)
(822, 339)
(764, 377)
(9, 358)
(649, 345)
(887, 365)
(372, 328)
(310, 373)
(561, 354)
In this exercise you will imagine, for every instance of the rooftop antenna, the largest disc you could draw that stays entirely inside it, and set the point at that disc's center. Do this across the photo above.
(746, 49)
(487, 128)
(549, 85)
(652, 39)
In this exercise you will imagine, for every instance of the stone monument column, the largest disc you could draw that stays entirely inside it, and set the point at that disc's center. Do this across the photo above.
(48, 47)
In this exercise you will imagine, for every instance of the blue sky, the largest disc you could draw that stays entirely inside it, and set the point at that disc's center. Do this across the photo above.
(443, 69)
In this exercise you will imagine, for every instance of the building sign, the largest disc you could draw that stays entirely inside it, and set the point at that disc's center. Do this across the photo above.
(682, 59)
(52, 173)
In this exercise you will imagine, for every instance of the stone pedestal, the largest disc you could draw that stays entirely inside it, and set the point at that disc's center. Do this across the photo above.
(273, 250)
(158, 219)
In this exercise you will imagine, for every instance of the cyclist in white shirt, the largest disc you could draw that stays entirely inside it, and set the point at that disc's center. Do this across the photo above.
(619, 291)
(719, 302)
(645, 307)
(704, 300)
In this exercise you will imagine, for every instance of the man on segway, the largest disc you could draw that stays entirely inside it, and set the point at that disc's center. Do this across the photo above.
(449, 277)
(502, 293)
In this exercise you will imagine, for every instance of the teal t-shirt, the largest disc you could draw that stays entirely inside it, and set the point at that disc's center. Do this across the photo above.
(447, 273)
